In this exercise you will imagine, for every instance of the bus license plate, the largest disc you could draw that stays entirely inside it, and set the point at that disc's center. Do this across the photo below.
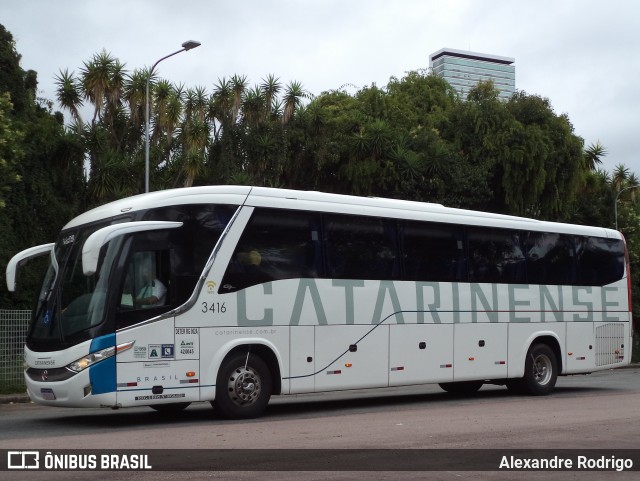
(48, 394)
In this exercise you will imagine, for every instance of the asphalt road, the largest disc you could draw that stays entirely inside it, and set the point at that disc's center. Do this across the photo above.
(598, 411)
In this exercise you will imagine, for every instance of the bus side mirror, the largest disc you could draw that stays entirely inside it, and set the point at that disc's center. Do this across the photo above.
(22, 258)
(93, 244)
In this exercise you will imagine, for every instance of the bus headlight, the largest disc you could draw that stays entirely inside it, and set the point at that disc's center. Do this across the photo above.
(95, 357)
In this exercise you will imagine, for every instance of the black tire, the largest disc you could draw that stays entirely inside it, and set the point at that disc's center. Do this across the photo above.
(463, 387)
(540, 372)
(170, 408)
(243, 387)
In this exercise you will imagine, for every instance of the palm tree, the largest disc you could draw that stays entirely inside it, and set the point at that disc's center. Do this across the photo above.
(135, 96)
(69, 95)
(194, 137)
(633, 181)
(378, 138)
(174, 109)
(265, 146)
(315, 116)
(294, 93)
(162, 94)
(98, 80)
(221, 102)
(270, 87)
(195, 105)
(409, 164)
(238, 87)
(253, 107)
(117, 80)
(593, 155)
(620, 175)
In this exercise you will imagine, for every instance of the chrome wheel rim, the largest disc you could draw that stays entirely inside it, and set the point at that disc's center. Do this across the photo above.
(542, 369)
(244, 386)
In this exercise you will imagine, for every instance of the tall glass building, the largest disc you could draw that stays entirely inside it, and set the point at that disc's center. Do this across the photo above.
(463, 70)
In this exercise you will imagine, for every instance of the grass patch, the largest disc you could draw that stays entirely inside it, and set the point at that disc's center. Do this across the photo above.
(13, 389)
(11, 374)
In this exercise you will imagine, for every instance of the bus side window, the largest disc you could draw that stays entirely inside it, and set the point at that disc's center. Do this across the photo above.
(550, 258)
(276, 244)
(495, 256)
(145, 286)
(361, 247)
(192, 244)
(145, 283)
(600, 261)
(433, 252)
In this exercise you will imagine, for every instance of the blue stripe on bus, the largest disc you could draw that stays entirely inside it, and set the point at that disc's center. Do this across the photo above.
(103, 375)
(102, 342)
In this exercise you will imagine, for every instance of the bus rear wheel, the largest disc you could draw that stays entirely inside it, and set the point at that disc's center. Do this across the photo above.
(540, 372)
(463, 387)
(243, 388)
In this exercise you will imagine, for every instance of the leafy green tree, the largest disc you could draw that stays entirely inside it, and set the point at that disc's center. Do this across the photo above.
(12, 77)
(10, 152)
(550, 160)
(43, 166)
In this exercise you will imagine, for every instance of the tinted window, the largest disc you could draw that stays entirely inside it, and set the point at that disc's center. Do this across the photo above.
(360, 247)
(495, 256)
(191, 245)
(276, 244)
(433, 252)
(550, 258)
(163, 267)
(600, 261)
(202, 227)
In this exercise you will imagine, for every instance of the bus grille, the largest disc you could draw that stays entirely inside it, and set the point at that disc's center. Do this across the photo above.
(609, 344)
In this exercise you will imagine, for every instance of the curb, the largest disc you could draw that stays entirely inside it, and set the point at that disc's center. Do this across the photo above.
(14, 398)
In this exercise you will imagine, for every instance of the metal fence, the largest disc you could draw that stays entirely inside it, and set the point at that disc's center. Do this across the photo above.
(13, 333)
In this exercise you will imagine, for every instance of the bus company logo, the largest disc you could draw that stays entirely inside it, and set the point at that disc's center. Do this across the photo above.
(23, 460)
(211, 287)
(167, 350)
(187, 347)
(157, 351)
(45, 362)
(140, 352)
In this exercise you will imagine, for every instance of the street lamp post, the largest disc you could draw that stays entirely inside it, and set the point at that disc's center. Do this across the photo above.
(615, 202)
(188, 45)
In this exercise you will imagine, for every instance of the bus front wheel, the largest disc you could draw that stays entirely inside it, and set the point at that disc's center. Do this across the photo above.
(540, 372)
(243, 387)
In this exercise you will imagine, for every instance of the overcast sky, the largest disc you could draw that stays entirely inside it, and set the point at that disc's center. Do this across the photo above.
(583, 55)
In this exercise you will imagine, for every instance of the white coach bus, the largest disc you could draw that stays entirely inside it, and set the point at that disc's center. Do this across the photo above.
(232, 294)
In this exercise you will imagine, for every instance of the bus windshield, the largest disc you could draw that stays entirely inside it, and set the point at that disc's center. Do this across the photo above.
(71, 302)
(138, 275)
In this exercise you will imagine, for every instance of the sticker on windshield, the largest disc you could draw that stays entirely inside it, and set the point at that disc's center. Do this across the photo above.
(69, 239)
